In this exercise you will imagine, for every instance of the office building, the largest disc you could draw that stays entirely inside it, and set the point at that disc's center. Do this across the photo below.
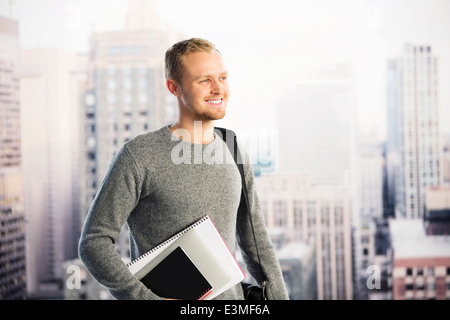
(318, 215)
(437, 210)
(298, 264)
(420, 262)
(50, 82)
(446, 161)
(369, 201)
(414, 145)
(124, 95)
(317, 123)
(12, 214)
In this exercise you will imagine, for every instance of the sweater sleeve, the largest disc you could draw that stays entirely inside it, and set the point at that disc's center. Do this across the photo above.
(116, 198)
(275, 286)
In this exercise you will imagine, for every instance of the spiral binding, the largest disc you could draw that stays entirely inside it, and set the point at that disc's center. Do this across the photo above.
(163, 244)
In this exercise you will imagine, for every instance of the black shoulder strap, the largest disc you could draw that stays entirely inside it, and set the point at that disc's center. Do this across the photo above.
(234, 149)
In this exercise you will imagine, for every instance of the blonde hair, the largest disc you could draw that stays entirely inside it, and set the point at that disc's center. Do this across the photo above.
(174, 55)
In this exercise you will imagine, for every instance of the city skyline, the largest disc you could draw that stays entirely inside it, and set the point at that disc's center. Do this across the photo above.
(291, 42)
(315, 75)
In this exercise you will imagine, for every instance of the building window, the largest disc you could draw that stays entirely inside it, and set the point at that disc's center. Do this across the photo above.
(297, 215)
(143, 98)
(339, 214)
(111, 98)
(420, 286)
(127, 98)
(325, 211)
(420, 271)
(280, 213)
(431, 271)
(311, 214)
(112, 84)
(127, 83)
(409, 271)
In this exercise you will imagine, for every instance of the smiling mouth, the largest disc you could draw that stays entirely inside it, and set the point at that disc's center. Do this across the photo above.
(215, 101)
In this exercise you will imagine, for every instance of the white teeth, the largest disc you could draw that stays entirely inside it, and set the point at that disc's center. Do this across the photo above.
(215, 101)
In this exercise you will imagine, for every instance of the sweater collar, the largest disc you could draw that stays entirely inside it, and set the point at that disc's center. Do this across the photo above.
(169, 134)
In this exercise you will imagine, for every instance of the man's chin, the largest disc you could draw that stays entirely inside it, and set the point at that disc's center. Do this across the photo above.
(213, 117)
(220, 117)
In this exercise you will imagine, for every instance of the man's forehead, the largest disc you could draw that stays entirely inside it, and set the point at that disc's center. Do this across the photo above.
(196, 64)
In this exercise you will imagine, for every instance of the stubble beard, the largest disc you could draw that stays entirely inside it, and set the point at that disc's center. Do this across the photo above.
(209, 115)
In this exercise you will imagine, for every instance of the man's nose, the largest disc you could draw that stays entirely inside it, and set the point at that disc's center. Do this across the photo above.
(217, 87)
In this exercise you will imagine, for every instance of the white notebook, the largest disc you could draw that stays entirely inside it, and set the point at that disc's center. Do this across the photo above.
(204, 245)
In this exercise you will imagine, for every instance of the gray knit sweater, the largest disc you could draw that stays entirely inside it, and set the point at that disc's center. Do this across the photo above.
(158, 184)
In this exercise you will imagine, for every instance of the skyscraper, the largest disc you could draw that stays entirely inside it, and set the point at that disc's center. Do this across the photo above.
(414, 137)
(125, 94)
(370, 210)
(12, 219)
(49, 81)
(317, 123)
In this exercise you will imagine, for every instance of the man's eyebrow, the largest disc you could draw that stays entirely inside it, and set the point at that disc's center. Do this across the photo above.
(225, 73)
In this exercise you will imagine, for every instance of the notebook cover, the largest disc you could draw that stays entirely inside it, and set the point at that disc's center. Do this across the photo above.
(177, 277)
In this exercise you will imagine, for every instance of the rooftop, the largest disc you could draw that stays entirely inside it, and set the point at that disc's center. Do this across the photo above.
(409, 240)
(293, 250)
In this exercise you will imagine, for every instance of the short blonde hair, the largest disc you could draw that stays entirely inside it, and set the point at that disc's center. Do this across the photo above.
(174, 55)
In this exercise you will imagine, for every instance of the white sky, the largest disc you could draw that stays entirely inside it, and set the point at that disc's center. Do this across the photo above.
(270, 45)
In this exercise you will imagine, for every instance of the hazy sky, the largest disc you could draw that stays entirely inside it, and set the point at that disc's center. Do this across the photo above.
(270, 46)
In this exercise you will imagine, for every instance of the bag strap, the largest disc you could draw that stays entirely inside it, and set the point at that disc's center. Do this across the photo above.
(233, 147)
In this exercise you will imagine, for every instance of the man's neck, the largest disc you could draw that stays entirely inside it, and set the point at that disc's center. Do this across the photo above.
(199, 132)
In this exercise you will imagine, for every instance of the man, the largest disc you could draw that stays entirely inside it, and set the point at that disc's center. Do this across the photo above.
(157, 195)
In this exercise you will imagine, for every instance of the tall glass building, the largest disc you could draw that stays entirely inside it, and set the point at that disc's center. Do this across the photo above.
(414, 149)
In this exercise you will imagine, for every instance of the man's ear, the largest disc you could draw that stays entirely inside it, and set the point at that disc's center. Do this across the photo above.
(172, 85)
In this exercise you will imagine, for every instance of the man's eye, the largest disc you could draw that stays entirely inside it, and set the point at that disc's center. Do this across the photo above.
(204, 81)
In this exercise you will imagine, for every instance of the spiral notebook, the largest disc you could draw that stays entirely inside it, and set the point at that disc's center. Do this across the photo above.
(177, 277)
(203, 244)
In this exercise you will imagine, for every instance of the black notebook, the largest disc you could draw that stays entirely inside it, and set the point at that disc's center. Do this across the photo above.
(203, 244)
(177, 277)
